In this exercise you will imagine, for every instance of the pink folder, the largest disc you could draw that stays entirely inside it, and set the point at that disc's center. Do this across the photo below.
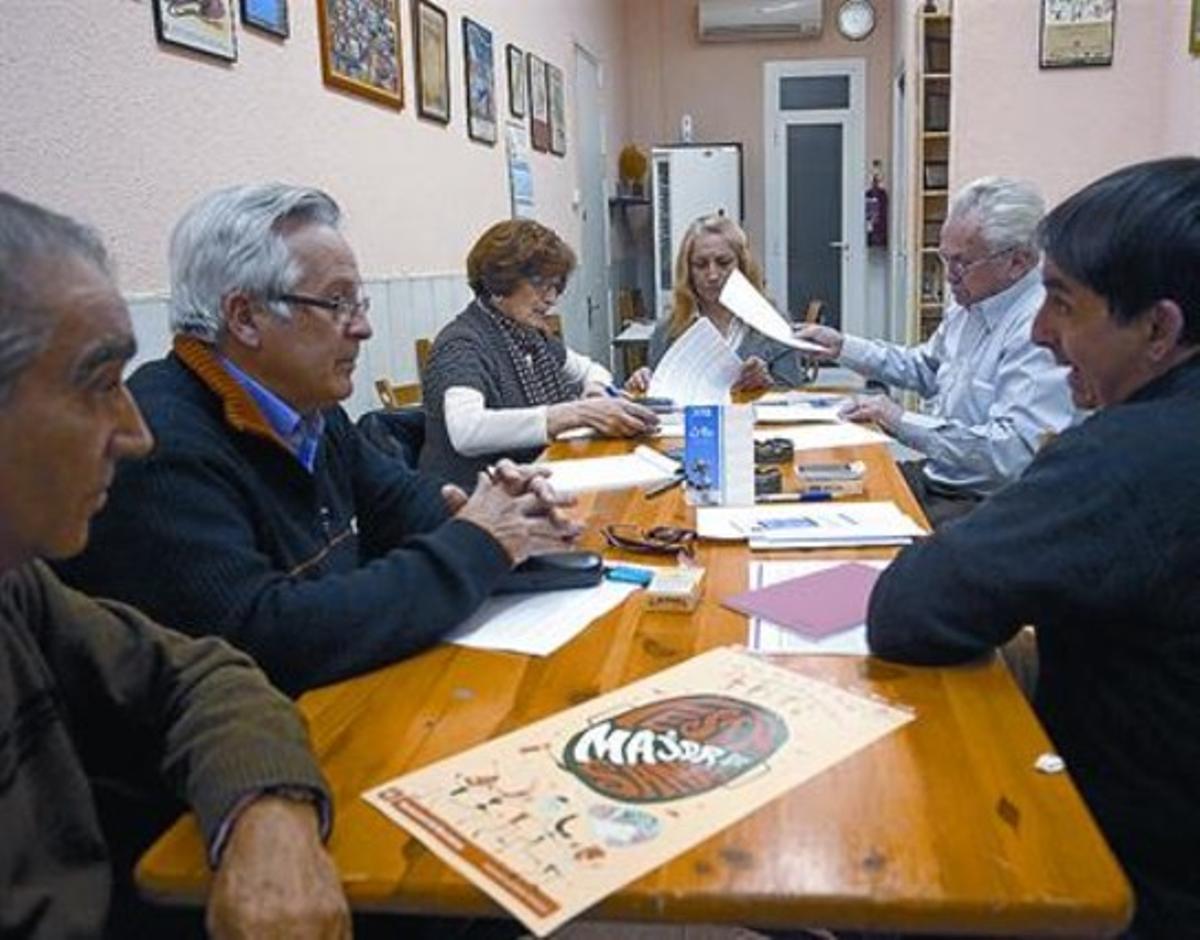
(815, 605)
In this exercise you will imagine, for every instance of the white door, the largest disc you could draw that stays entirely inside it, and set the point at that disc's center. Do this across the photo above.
(587, 328)
(815, 183)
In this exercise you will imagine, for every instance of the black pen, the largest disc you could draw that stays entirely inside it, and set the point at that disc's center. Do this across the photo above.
(659, 488)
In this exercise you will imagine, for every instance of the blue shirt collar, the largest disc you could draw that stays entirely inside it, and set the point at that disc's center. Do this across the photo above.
(301, 434)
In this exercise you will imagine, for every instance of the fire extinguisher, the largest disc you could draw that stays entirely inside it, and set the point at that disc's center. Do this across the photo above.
(877, 210)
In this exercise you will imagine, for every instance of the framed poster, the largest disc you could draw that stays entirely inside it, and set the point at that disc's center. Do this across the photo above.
(558, 110)
(200, 25)
(360, 48)
(479, 64)
(271, 16)
(431, 40)
(539, 104)
(1077, 32)
(516, 80)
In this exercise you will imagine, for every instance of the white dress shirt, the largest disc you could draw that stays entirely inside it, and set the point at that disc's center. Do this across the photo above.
(474, 429)
(992, 396)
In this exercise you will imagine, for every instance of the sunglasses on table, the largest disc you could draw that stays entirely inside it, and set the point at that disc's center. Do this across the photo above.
(659, 540)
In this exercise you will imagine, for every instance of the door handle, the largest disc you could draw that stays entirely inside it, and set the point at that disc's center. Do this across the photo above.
(839, 244)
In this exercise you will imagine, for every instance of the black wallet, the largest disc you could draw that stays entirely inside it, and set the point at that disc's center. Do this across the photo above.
(554, 571)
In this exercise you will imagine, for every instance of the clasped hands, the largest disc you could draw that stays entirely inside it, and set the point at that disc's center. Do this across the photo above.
(518, 507)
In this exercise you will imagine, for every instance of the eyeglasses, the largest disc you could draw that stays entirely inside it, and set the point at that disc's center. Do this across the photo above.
(957, 267)
(543, 285)
(660, 540)
(344, 309)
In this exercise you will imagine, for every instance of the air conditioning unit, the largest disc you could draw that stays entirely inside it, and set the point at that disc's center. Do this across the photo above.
(760, 19)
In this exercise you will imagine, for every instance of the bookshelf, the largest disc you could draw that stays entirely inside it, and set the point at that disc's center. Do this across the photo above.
(933, 130)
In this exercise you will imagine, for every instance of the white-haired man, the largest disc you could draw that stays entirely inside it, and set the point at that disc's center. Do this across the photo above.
(263, 515)
(993, 395)
(92, 691)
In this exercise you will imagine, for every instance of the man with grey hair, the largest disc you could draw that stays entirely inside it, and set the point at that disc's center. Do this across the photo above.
(95, 698)
(993, 396)
(263, 514)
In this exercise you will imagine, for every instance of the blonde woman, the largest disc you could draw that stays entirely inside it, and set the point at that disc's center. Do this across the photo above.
(711, 248)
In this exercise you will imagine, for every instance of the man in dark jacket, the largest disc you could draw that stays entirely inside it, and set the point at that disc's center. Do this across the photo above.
(1098, 544)
(263, 514)
(93, 689)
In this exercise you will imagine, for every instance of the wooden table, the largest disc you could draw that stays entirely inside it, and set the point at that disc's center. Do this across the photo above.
(941, 827)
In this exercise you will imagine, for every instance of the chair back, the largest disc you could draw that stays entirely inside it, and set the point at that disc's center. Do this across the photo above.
(397, 396)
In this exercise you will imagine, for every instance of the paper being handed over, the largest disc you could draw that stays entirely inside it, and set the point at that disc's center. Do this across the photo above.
(698, 369)
(743, 300)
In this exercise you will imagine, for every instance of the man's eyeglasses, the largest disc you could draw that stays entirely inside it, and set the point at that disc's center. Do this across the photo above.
(660, 540)
(956, 266)
(344, 309)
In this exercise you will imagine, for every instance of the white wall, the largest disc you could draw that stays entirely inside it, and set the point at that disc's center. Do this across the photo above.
(1065, 127)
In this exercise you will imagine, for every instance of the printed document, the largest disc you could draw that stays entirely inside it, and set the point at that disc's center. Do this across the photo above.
(698, 369)
(743, 300)
(644, 467)
(809, 525)
(539, 622)
(818, 436)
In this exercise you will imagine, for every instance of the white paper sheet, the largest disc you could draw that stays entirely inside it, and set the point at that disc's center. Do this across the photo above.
(698, 369)
(815, 525)
(644, 467)
(763, 636)
(538, 623)
(801, 413)
(743, 300)
(820, 436)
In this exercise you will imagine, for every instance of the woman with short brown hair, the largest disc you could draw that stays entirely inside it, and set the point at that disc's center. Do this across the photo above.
(497, 383)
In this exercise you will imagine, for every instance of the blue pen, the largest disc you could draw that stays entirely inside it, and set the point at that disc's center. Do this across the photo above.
(628, 575)
(612, 391)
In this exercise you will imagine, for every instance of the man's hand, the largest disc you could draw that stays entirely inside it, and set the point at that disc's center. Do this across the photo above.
(829, 339)
(754, 376)
(518, 507)
(275, 879)
(612, 417)
(639, 382)
(877, 408)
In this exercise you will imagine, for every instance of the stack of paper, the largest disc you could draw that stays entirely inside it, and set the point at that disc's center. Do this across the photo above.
(799, 413)
(808, 606)
(805, 525)
(644, 467)
(821, 436)
(698, 369)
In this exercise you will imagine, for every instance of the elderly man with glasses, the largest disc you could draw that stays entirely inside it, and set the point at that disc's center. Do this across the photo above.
(263, 515)
(993, 397)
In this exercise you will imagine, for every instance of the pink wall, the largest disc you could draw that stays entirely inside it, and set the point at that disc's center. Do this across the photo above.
(672, 73)
(103, 123)
(1065, 127)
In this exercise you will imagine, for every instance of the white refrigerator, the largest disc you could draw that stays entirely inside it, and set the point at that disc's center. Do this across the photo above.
(689, 180)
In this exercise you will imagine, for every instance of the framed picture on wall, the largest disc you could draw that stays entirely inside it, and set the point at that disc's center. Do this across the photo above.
(516, 80)
(1194, 44)
(271, 16)
(431, 37)
(200, 25)
(360, 48)
(558, 110)
(1077, 33)
(479, 64)
(539, 103)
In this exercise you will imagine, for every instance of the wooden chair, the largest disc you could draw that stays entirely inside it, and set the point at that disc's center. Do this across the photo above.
(814, 311)
(397, 396)
(423, 346)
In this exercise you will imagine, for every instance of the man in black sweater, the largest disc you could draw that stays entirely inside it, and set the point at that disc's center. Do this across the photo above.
(262, 514)
(93, 691)
(1098, 544)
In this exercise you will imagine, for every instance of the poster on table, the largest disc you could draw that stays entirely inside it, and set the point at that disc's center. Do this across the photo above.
(552, 818)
